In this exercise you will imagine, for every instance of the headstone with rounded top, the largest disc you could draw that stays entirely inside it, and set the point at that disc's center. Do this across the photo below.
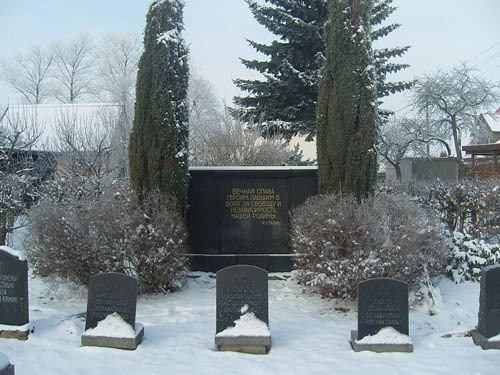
(242, 322)
(111, 311)
(382, 316)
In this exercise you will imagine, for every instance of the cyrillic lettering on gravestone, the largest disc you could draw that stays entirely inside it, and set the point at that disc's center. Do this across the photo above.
(14, 308)
(241, 289)
(109, 293)
(382, 302)
(489, 302)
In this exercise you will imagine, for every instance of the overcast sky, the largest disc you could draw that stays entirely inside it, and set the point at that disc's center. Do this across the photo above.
(442, 33)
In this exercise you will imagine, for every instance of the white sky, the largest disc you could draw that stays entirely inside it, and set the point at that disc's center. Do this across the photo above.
(442, 33)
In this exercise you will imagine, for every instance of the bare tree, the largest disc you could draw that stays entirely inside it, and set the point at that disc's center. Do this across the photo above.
(21, 168)
(28, 74)
(116, 60)
(72, 69)
(83, 143)
(452, 100)
(396, 141)
(232, 142)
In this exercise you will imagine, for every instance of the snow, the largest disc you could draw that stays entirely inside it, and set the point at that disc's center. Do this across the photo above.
(247, 325)
(387, 335)
(24, 328)
(17, 253)
(4, 361)
(112, 326)
(310, 335)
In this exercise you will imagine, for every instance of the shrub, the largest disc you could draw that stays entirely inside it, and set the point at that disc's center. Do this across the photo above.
(340, 242)
(471, 211)
(469, 256)
(79, 232)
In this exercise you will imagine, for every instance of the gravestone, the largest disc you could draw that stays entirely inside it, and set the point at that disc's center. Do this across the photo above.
(14, 308)
(489, 309)
(242, 322)
(112, 294)
(382, 305)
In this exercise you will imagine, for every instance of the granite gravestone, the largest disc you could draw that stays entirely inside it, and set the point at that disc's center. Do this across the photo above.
(489, 309)
(112, 293)
(382, 302)
(14, 309)
(109, 293)
(241, 290)
(382, 305)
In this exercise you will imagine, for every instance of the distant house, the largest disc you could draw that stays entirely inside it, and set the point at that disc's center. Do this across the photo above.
(487, 129)
(484, 148)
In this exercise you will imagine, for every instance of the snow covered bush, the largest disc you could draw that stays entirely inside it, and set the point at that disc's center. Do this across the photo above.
(156, 245)
(471, 211)
(340, 242)
(469, 256)
(79, 231)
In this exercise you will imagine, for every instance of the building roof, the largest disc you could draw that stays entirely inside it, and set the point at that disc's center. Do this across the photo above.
(492, 120)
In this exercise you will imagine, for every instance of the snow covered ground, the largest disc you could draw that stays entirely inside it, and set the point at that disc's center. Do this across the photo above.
(309, 335)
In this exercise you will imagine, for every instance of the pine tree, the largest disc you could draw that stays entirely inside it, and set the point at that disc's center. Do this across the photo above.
(347, 110)
(285, 100)
(159, 137)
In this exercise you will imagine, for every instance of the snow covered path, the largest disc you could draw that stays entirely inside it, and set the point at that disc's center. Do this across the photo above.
(310, 336)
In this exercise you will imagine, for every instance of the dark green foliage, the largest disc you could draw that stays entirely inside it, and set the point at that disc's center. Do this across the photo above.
(285, 100)
(346, 115)
(159, 138)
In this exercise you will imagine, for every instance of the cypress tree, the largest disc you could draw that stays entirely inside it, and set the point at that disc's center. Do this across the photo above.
(159, 137)
(347, 113)
(285, 100)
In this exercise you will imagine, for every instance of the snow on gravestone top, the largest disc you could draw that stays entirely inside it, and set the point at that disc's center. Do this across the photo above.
(111, 293)
(241, 290)
(382, 302)
(14, 309)
(489, 302)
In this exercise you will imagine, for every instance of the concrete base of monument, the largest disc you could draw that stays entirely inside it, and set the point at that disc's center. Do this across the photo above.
(383, 346)
(127, 343)
(483, 342)
(243, 344)
(16, 332)
(216, 262)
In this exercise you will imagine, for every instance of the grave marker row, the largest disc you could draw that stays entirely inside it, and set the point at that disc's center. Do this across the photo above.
(242, 299)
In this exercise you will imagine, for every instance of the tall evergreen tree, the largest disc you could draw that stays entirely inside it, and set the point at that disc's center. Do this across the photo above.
(159, 137)
(347, 110)
(285, 99)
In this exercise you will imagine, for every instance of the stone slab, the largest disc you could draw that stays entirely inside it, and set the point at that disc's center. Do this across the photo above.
(14, 306)
(240, 286)
(382, 302)
(244, 344)
(115, 342)
(489, 302)
(379, 348)
(109, 293)
(484, 342)
(16, 332)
